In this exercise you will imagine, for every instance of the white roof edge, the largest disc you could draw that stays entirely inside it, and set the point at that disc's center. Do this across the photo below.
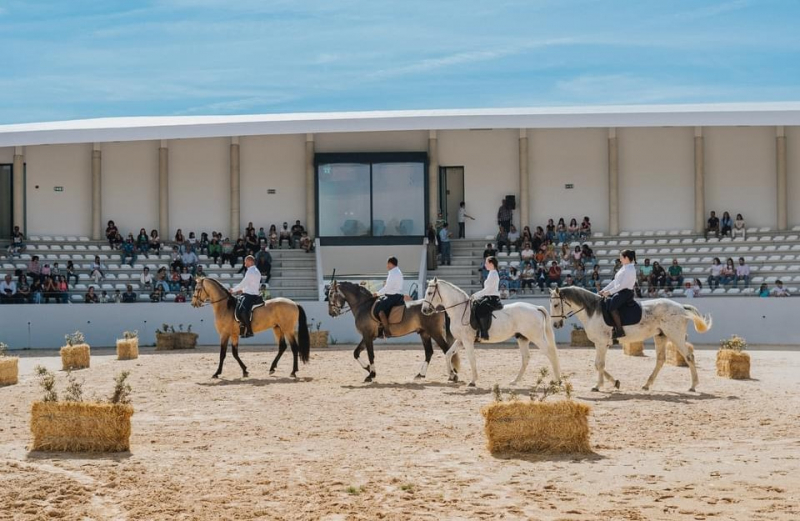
(184, 127)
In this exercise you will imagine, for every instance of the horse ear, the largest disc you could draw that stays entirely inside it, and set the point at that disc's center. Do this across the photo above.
(555, 292)
(435, 279)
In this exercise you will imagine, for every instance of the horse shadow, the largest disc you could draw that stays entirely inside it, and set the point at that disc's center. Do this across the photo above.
(412, 386)
(254, 382)
(648, 396)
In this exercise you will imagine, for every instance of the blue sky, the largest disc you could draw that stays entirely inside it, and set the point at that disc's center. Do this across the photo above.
(80, 59)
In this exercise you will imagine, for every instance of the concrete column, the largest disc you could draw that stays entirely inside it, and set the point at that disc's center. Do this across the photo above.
(524, 206)
(163, 191)
(19, 188)
(699, 181)
(235, 197)
(433, 177)
(311, 188)
(780, 163)
(97, 203)
(613, 183)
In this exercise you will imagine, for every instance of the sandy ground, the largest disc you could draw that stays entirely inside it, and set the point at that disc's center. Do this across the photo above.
(331, 447)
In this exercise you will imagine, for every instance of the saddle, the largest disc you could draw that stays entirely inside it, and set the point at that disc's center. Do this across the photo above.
(630, 314)
(488, 305)
(260, 303)
(396, 313)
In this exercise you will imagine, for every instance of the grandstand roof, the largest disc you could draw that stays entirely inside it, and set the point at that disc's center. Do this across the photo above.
(182, 127)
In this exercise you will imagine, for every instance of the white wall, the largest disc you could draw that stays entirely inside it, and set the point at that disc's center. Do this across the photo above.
(130, 185)
(793, 167)
(199, 185)
(740, 173)
(410, 141)
(272, 162)
(656, 178)
(359, 260)
(6, 154)
(561, 156)
(491, 171)
(59, 213)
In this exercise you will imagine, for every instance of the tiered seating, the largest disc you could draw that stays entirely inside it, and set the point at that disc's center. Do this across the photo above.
(293, 271)
(770, 254)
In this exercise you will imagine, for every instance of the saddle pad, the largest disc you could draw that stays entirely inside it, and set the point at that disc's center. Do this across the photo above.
(252, 310)
(630, 314)
(395, 314)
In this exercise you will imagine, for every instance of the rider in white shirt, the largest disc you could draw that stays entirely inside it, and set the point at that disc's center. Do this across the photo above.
(391, 294)
(249, 287)
(487, 299)
(620, 290)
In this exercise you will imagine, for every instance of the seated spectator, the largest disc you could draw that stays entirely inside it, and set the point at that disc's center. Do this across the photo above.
(742, 273)
(285, 235)
(587, 255)
(586, 229)
(199, 272)
(104, 298)
(658, 279)
(55, 270)
(538, 238)
(763, 291)
(595, 281)
(192, 240)
(577, 256)
(527, 236)
(227, 253)
(215, 251)
(146, 278)
(112, 234)
(540, 256)
(251, 242)
(181, 297)
(17, 245)
(566, 256)
(674, 276)
(550, 230)
(143, 243)
(728, 273)
(550, 254)
(528, 277)
(504, 294)
(129, 297)
(264, 262)
(514, 239)
(175, 281)
(502, 239)
(513, 280)
(262, 236)
(129, 251)
(644, 273)
(116, 298)
(157, 295)
(23, 290)
(573, 230)
(568, 280)
(693, 289)
(715, 274)
(264, 292)
(527, 254)
(62, 288)
(297, 232)
(273, 237)
(8, 291)
(34, 269)
(239, 252)
(187, 281)
(779, 290)
(37, 291)
(541, 278)
(49, 289)
(154, 242)
(712, 225)
(162, 280)
(202, 246)
(617, 267)
(739, 227)
(561, 231)
(46, 271)
(189, 259)
(176, 258)
(91, 297)
(305, 243)
(579, 276)
(179, 238)
(554, 275)
(726, 224)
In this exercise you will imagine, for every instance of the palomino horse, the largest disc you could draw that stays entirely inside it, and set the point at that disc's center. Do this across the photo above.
(526, 322)
(662, 319)
(279, 314)
(359, 300)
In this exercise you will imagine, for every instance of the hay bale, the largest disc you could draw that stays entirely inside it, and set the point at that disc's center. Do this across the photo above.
(127, 348)
(165, 341)
(578, 338)
(80, 427)
(674, 357)
(557, 427)
(179, 340)
(9, 370)
(733, 364)
(319, 339)
(75, 357)
(633, 349)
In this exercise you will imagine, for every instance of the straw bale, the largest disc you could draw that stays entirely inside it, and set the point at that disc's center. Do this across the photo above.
(9, 370)
(180, 340)
(80, 427)
(557, 427)
(318, 339)
(127, 348)
(733, 364)
(578, 338)
(75, 357)
(674, 357)
(633, 349)
(165, 341)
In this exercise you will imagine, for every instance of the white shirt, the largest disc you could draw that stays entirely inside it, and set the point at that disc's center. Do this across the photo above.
(444, 235)
(491, 286)
(146, 278)
(394, 283)
(624, 279)
(8, 285)
(462, 215)
(251, 283)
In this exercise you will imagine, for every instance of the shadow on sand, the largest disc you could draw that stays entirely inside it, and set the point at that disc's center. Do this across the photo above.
(255, 382)
(534, 458)
(66, 456)
(416, 385)
(649, 396)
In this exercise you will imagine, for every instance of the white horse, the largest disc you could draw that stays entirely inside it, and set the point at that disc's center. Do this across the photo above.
(526, 322)
(663, 319)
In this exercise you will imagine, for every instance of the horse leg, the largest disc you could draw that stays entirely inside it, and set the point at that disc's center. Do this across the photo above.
(223, 352)
(661, 356)
(452, 353)
(428, 345)
(551, 351)
(281, 348)
(680, 343)
(371, 357)
(473, 365)
(357, 353)
(235, 351)
(525, 352)
(295, 347)
(455, 365)
(600, 365)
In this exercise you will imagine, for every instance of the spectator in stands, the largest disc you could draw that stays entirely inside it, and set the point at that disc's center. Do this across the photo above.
(595, 281)
(251, 242)
(644, 273)
(739, 227)
(554, 275)
(504, 216)
(502, 239)
(179, 238)
(726, 224)
(444, 240)
(111, 234)
(250, 228)
(617, 267)
(37, 291)
(146, 278)
(586, 229)
(712, 225)
(181, 297)
(104, 299)
(779, 290)
(34, 269)
(715, 274)
(116, 298)
(527, 236)
(55, 270)
(579, 276)
(550, 251)
(192, 240)
(514, 239)
(297, 232)
(538, 238)
(742, 273)
(561, 231)
(91, 297)
(227, 253)
(262, 236)
(71, 272)
(199, 272)
(541, 255)
(215, 251)
(162, 280)
(187, 280)
(264, 292)
(550, 230)
(513, 280)
(46, 271)
(587, 255)
(541, 277)
(728, 273)
(175, 280)
(306, 244)
(62, 289)
(202, 245)
(17, 245)
(23, 290)
(8, 290)
(527, 277)
(565, 257)
(239, 252)
(462, 220)
(658, 279)
(129, 251)
(264, 262)
(190, 259)
(157, 295)
(273, 237)
(763, 291)
(573, 230)
(129, 297)
(143, 243)
(176, 259)
(527, 254)
(155, 242)
(569, 280)
(49, 289)
(285, 235)
(431, 248)
(693, 289)
(675, 276)
(577, 256)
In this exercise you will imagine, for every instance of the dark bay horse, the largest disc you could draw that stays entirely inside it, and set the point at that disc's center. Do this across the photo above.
(279, 314)
(359, 300)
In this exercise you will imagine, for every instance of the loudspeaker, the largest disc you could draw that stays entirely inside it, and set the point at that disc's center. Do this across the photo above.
(511, 202)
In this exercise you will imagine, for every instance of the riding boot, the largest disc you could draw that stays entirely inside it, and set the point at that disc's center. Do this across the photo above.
(383, 330)
(618, 331)
(246, 327)
(484, 323)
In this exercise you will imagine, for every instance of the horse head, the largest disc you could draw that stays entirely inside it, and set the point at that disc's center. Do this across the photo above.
(200, 295)
(557, 308)
(336, 300)
(433, 297)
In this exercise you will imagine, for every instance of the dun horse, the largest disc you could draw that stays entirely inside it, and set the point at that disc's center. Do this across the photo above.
(279, 314)
(360, 300)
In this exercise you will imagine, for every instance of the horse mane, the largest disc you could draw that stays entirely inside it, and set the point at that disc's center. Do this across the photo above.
(589, 301)
(358, 289)
(231, 303)
(461, 291)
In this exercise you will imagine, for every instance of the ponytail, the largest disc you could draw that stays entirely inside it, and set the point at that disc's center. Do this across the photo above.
(629, 254)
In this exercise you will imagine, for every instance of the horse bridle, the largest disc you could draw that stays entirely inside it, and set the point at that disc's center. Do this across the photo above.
(210, 302)
(339, 310)
(568, 315)
(442, 309)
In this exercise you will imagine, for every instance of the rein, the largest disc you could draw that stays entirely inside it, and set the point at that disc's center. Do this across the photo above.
(210, 302)
(568, 315)
(444, 309)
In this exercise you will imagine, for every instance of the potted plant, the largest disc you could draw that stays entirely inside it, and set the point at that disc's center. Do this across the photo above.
(732, 361)
(674, 357)
(555, 427)
(578, 337)
(74, 425)
(318, 336)
(167, 338)
(76, 353)
(9, 367)
(128, 345)
(633, 348)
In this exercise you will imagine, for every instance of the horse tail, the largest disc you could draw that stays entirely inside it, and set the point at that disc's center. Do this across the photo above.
(701, 323)
(303, 336)
(450, 339)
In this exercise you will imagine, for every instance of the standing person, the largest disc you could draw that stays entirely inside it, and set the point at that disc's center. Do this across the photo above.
(391, 294)
(505, 216)
(433, 249)
(444, 242)
(488, 299)
(249, 289)
(620, 290)
(462, 219)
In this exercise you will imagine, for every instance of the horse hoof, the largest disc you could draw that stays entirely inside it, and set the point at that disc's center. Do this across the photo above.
(293, 375)
(692, 390)
(595, 390)
(245, 374)
(471, 384)
(368, 379)
(272, 371)
(616, 384)
(645, 388)
(419, 377)
(215, 375)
